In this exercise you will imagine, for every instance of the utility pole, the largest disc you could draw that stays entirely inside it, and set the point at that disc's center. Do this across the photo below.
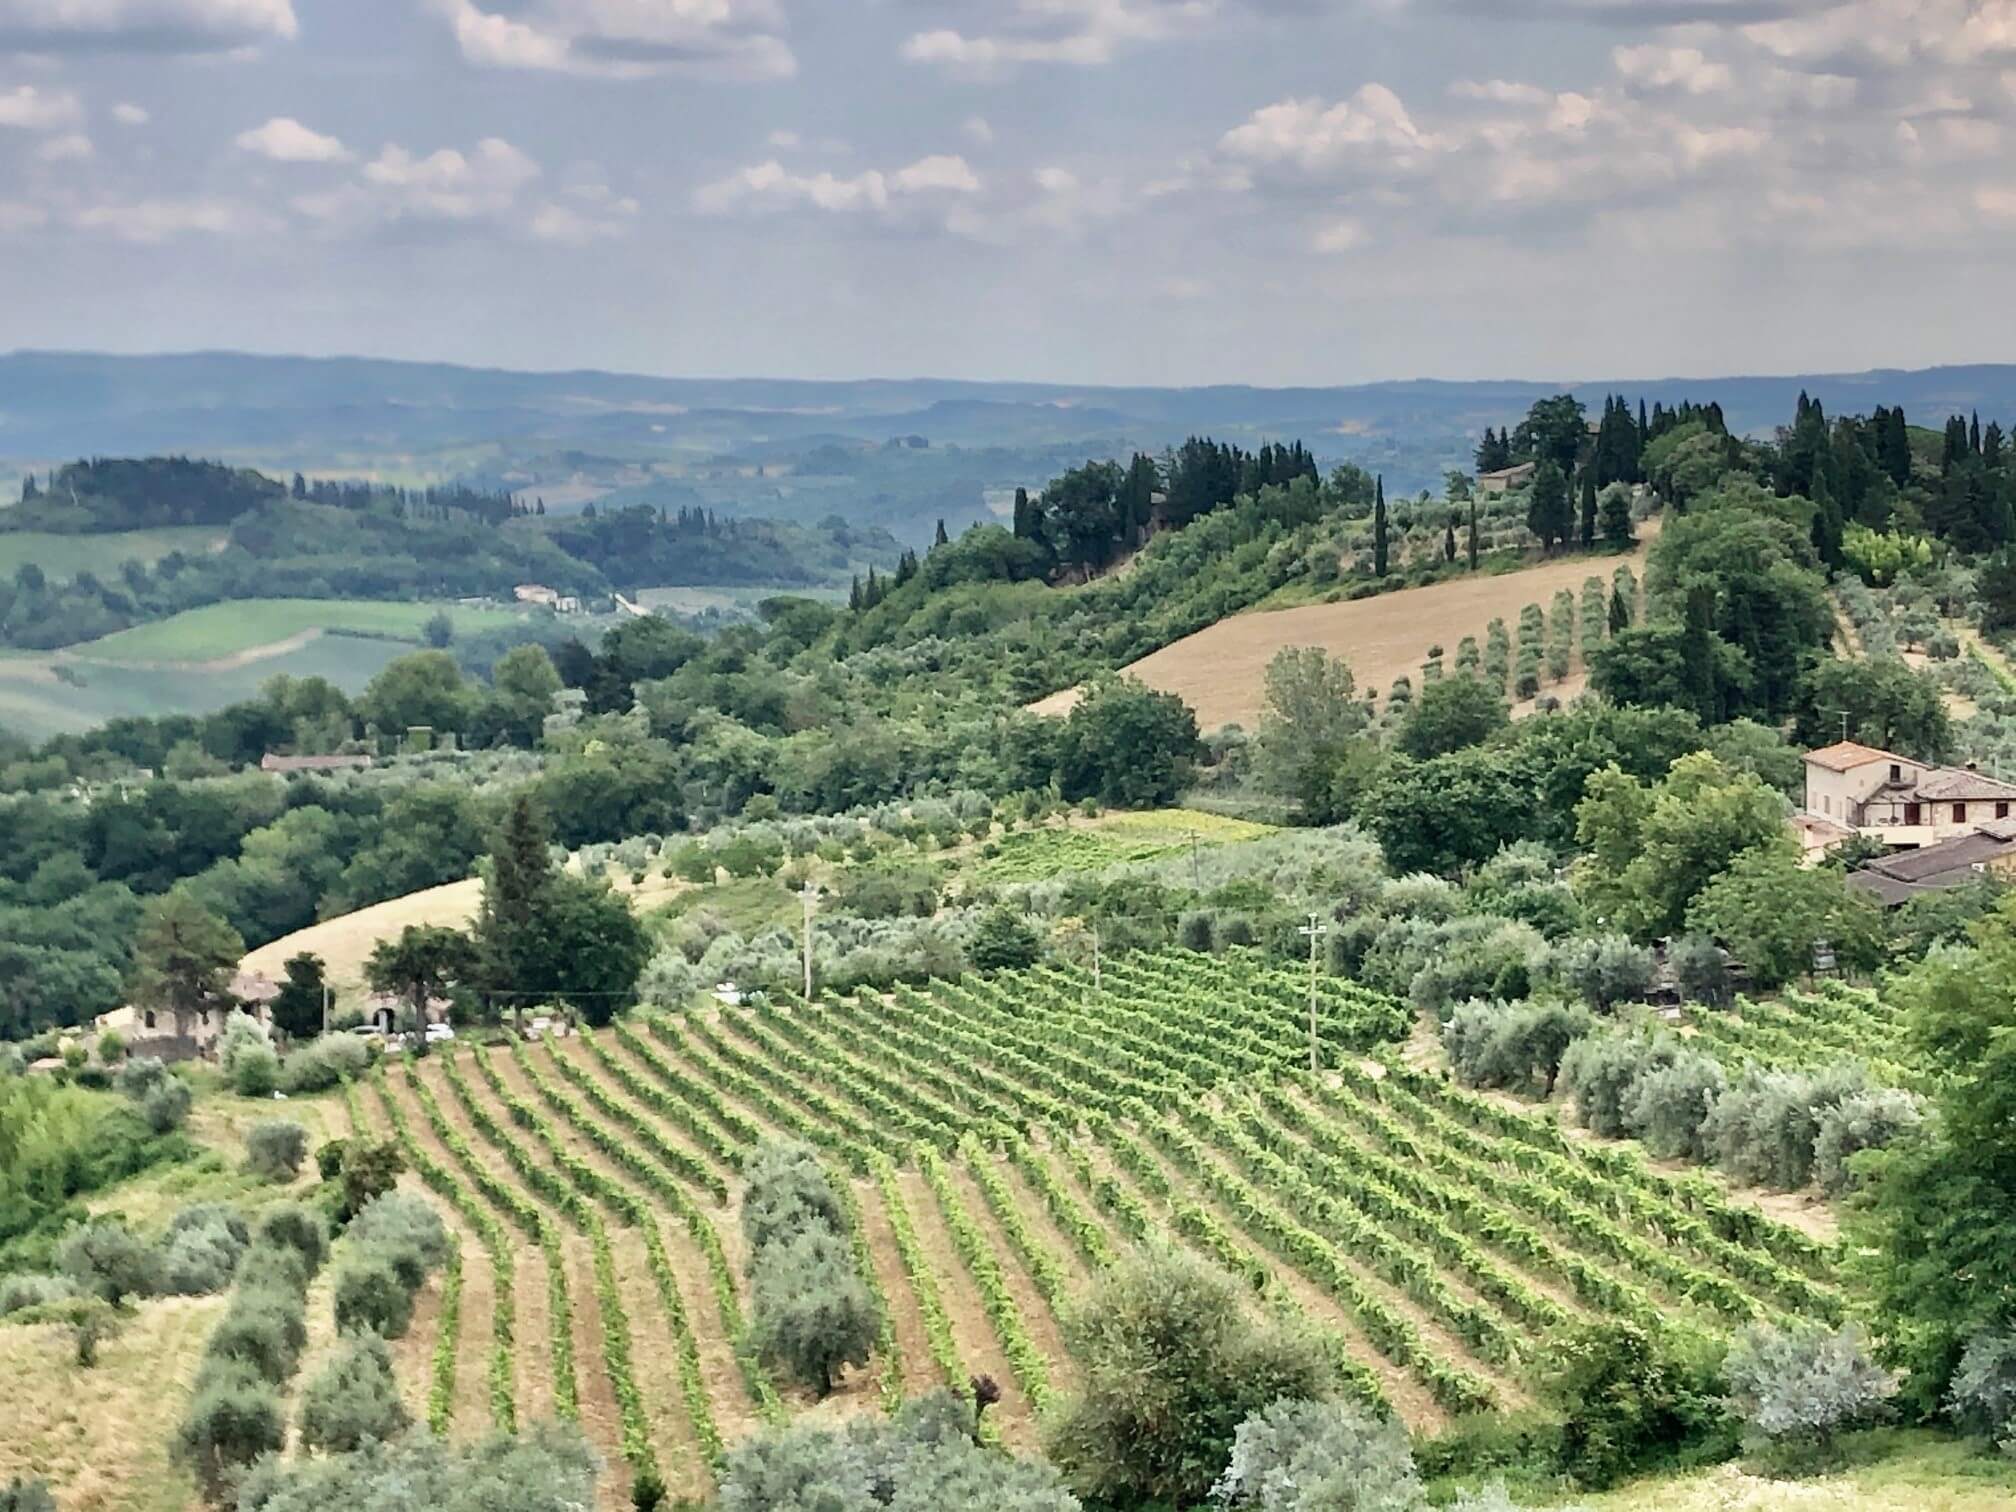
(810, 892)
(1315, 929)
(1095, 957)
(1196, 873)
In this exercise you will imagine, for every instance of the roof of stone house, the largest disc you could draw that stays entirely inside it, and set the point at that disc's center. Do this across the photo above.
(1846, 755)
(1517, 469)
(1958, 855)
(1949, 784)
(1888, 891)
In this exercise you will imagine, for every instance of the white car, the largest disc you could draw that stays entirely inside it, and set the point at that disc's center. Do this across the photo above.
(439, 1034)
(539, 1028)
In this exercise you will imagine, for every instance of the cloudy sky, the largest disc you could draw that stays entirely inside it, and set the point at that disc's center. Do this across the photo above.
(1166, 191)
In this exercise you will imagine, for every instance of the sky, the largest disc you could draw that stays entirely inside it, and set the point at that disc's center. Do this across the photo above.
(1092, 191)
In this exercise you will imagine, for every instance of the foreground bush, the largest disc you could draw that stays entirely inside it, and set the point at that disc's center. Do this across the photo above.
(330, 1061)
(1519, 1048)
(1866, 1120)
(1631, 1400)
(354, 1399)
(275, 1149)
(924, 1459)
(812, 1316)
(1983, 1395)
(201, 1250)
(550, 1469)
(235, 1417)
(264, 1329)
(407, 1230)
(1172, 1367)
(788, 1192)
(107, 1260)
(1805, 1385)
(372, 1297)
(1319, 1457)
(28, 1289)
(297, 1227)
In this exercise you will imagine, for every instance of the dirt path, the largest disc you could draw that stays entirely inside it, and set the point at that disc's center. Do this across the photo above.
(971, 1330)
(654, 1355)
(532, 1331)
(1038, 1317)
(920, 1371)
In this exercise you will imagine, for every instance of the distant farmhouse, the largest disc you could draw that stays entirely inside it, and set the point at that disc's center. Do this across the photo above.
(151, 1032)
(1505, 479)
(542, 597)
(1895, 880)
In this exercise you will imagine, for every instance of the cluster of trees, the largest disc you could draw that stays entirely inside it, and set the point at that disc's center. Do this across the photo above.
(811, 1313)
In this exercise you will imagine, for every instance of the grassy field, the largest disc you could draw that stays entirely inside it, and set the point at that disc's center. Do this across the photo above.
(1221, 670)
(217, 631)
(699, 600)
(62, 557)
(42, 695)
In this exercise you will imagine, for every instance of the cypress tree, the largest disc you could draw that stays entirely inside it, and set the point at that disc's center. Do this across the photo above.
(1588, 508)
(1449, 541)
(1379, 558)
(1827, 524)
(514, 896)
(1615, 519)
(1473, 533)
(1550, 514)
(1620, 613)
(1974, 436)
(940, 539)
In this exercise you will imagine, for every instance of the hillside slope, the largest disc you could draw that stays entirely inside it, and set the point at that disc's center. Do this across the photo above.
(1221, 671)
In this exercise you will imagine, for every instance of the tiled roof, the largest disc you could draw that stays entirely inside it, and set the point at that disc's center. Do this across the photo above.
(1846, 755)
(1956, 784)
(1960, 854)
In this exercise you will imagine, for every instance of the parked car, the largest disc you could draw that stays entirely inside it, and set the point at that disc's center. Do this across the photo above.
(438, 1034)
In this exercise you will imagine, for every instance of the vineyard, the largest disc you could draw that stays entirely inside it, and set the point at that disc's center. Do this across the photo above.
(999, 1141)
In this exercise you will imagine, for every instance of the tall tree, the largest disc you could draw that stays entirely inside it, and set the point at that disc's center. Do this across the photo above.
(1379, 543)
(1588, 508)
(1549, 514)
(184, 957)
(516, 892)
(1472, 548)
(422, 965)
(297, 1011)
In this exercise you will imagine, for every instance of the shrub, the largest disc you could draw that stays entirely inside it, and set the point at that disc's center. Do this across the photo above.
(329, 1158)
(1319, 1457)
(91, 1327)
(27, 1289)
(141, 1075)
(372, 1296)
(330, 1061)
(26, 1496)
(200, 1253)
(1865, 1120)
(1668, 1107)
(1983, 1394)
(1700, 969)
(166, 1106)
(353, 1399)
(1193, 931)
(243, 1038)
(275, 1148)
(407, 1232)
(812, 1314)
(1604, 970)
(12, 1061)
(1600, 1071)
(298, 1228)
(111, 1047)
(234, 1418)
(547, 1469)
(788, 1192)
(1493, 1045)
(1003, 940)
(1172, 1365)
(1806, 1384)
(1631, 1399)
(107, 1260)
(264, 1329)
(370, 1169)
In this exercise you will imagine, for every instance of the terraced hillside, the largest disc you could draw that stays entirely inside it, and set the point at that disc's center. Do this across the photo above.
(1004, 1140)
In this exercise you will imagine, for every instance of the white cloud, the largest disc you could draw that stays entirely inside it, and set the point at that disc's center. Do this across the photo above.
(162, 219)
(562, 223)
(130, 115)
(1500, 92)
(1339, 236)
(1997, 202)
(769, 185)
(71, 147)
(30, 109)
(1684, 68)
(627, 39)
(784, 141)
(978, 129)
(162, 26)
(1372, 128)
(285, 140)
(1077, 33)
(451, 185)
(16, 217)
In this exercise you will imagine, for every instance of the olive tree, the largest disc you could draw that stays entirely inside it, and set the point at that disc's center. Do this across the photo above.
(1319, 1457)
(1805, 1384)
(353, 1399)
(275, 1148)
(812, 1314)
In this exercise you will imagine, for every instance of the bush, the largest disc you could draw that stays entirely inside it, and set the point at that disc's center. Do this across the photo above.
(107, 1260)
(812, 1314)
(1865, 1120)
(372, 1296)
(200, 1253)
(1983, 1394)
(1805, 1385)
(547, 1469)
(298, 1228)
(27, 1289)
(1668, 1107)
(141, 1075)
(1172, 1366)
(353, 1399)
(1631, 1400)
(111, 1047)
(788, 1192)
(1764, 1128)
(1493, 1045)
(264, 1329)
(1319, 1457)
(1604, 970)
(275, 1148)
(234, 1419)
(1700, 969)
(407, 1232)
(167, 1106)
(12, 1061)
(1003, 940)
(246, 1056)
(1600, 1070)
(370, 1170)
(1193, 931)
(330, 1061)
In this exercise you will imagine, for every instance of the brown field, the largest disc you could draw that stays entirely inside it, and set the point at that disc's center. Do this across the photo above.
(1221, 671)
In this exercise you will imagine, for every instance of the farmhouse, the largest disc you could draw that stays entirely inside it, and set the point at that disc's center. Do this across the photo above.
(1895, 880)
(1506, 479)
(542, 597)
(152, 1032)
(1903, 803)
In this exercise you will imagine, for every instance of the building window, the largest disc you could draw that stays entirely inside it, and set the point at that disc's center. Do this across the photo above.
(1896, 772)
(1910, 813)
(148, 1019)
(2001, 811)
(1959, 813)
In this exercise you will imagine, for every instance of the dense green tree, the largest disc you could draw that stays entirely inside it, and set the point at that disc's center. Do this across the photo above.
(424, 964)
(184, 959)
(1772, 912)
(1451, 713)
(297, 1011)
(1312, 714)
(1550, 514)
(1588, 530)
(1554, 430)
(1380, 550)
(1450, 811)
(1127, 746)
(423, 690)
(1888, 704)
(1003, 940)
